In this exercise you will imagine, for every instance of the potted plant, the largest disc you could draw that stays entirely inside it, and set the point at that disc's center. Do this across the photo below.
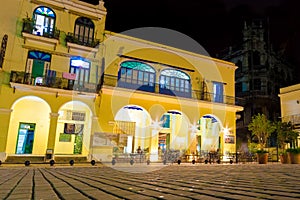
(294, 154)
(285, 134)
(262, 128)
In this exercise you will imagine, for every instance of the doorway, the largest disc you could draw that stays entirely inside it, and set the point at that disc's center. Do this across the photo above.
(25, 138)
(163, 142)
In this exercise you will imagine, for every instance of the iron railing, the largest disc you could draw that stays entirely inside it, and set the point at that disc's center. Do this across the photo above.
(81, 40)
(52, 82)
(110, 80)
(29, 27)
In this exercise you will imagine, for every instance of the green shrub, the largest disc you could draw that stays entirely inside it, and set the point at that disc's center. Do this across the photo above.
(261, 151)
(293, 150)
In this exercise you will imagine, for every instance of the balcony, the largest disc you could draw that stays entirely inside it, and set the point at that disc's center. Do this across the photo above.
(47, 36)
(51, 81)
(84, 41)
(30, 27)
(112, 81)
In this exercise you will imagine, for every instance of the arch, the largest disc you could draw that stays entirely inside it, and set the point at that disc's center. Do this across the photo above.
(174, 134)
(132, 129)
(29, 126)
(84, 31)
(44, 21)
(73, 131)
(174, 82)
(136, 75)
(210, 128)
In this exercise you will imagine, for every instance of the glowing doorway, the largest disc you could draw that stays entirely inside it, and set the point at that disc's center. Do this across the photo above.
(25, 138)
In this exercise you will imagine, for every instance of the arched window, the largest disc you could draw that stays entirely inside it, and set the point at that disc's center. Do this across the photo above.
(84, 31)
(136, 75)
(174, 82)
(44, 18)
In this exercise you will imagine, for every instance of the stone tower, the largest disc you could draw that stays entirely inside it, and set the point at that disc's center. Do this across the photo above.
(260, 74)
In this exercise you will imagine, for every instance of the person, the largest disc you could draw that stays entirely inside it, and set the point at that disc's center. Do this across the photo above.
(139, 150)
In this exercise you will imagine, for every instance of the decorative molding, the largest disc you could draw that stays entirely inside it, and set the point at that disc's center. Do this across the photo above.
(52, 91)
(76, 7)
(79, 48)
(5, 110)
(40, 39)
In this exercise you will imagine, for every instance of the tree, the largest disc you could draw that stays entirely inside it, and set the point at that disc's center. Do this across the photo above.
(285, 133)
(262, 128)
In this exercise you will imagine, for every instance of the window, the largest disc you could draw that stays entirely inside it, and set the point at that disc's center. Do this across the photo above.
(38, 63)
(256, 58)
(84, 31)
(239, 64)
(165, 119)
(136, 75)
(80, 67)
(174, 82)
(257, 84)
(3, 49)
(218, 92)
(44, 21)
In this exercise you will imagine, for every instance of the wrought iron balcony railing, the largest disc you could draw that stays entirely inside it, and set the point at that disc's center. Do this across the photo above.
(51, 82)
(29, 26)
(81, 40)
(113, 81)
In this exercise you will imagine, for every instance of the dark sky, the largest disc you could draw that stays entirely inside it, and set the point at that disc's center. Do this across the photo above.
(214, 24)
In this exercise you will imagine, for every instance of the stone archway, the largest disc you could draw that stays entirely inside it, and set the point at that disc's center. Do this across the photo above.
(132, 129)
(29, 126)
(73, 132)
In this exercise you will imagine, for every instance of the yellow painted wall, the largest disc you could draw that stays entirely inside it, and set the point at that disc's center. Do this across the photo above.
(28, 110)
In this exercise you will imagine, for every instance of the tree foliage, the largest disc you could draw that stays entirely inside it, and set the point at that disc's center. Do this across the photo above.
(285, 133)
(262, 128)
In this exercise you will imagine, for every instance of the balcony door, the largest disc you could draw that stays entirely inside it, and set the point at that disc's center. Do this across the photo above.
(38, 63)
(80, 67)
(84, 31)
(44, 21)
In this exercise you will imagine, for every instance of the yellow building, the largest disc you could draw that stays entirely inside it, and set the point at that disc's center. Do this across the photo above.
(290, 106)
(68, 88)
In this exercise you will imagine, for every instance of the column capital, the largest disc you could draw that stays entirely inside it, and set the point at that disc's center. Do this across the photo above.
(54, 114)
(95, 117)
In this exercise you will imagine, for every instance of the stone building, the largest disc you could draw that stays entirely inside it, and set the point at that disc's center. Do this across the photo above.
(261, 72)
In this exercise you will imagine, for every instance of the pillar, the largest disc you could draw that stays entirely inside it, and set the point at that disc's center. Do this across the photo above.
(52, 133)
(4, 126)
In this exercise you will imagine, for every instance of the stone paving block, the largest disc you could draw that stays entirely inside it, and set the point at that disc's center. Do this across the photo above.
(20, 196)
(100, 194)
(74, 197)
(45, 195)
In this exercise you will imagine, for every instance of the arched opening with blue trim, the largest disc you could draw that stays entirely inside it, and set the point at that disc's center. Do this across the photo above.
(44, 18)
(37, 67)
(81, 67)
(136, 75)
(210, 129)
(174, 82)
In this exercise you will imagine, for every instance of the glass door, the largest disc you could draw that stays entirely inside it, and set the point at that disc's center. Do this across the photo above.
(25, 138)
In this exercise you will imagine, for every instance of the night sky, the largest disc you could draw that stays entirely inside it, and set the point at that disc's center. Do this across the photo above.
(214, 24)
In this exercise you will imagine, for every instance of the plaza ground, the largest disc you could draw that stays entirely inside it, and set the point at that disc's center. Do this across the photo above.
(154, 181)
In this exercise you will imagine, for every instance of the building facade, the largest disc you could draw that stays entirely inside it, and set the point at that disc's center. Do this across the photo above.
(261, 72)
(290, 108)
(69, 88)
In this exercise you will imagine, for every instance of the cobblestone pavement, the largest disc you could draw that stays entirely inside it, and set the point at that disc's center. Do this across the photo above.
(185, 181)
